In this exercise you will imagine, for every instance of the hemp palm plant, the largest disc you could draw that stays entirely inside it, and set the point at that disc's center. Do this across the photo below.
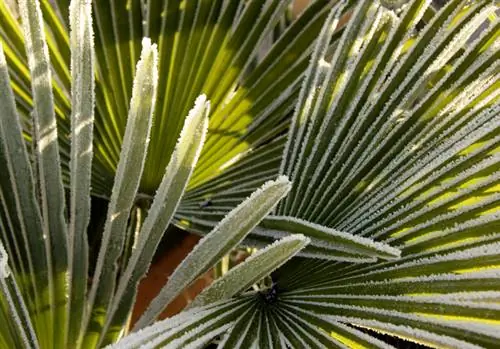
(387, 125)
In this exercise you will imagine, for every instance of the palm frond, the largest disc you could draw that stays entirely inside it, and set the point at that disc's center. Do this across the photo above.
(396, 139)
(198, 44)
(43, 286)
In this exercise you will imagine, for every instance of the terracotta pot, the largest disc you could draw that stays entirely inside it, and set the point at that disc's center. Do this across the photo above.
(158, 275)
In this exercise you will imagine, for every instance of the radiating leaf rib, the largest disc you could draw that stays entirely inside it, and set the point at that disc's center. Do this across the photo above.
(335, 77)
(243, 332)
(82, 121)
(27, 228)
(395, 172)
(251, 271)
(345, 241)
(443, 330)
(227, 234)
(382, 59)
(264, 93)
(316, 336)
(310, 83)
(15, 303)
(127, 179)
(345, 334)
(162, 210)
(338, 97)
(188, 326)
(48, 162)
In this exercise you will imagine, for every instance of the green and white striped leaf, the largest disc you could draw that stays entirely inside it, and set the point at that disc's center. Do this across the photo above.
(394, 141)
(252, 270)
(401, 147)
(164, 205)
(22, 229)
(47, 161)
(198, 44)
(82, 124)
(124, 191)
(16, 309)
(220, 241)
(189, 329)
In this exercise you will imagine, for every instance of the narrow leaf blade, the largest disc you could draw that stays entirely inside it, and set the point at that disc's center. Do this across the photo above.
(252, 270)
(224, 237)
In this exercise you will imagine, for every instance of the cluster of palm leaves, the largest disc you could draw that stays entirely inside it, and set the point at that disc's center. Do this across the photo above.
(361, 137)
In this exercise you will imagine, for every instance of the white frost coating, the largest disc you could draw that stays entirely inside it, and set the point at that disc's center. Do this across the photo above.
(227, 234)
(408, 214)
(313, 333)
(128, 173)
(491, 249)
(341, 79)
(16, 304)
(4, 267)
(252, 270)
(440, 155)
(328, 249)
(177, 173)
(417, 335)
(175, 322)
(356, 100)
(401, 166)
(356, 243)
(412, 282)
(449, 120)
(201, 341)
(198, 333)
(460, 39)
(326, 90)
(360, 161)
(305, 98)
(398, 316)
(247, 320)
(476, 222)
(428, 299)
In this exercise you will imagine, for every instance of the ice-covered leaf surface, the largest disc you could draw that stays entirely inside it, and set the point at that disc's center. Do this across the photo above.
(162, 209)
(220, 241)
(256, 267)
(127, 180)
(82, 130)
(392, 151)
(352, 246)
(400, 145)
(246, 56)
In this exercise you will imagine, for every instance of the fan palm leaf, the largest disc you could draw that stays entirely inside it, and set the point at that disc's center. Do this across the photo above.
(393, 155)
(210, 47)
(44, 298)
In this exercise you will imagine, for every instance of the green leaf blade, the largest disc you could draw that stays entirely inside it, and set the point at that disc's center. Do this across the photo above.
(225, 236)
(257, 266)
(127, 180)
(82, 123)
(164, 205)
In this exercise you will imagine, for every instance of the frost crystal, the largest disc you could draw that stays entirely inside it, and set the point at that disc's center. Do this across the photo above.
(4, 268)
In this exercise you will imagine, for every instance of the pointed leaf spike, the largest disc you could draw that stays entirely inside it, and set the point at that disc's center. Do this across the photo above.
(222, 239)
(347, 242)
(82, 125)
(128, 176)
(257, 266)
(164, 205)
